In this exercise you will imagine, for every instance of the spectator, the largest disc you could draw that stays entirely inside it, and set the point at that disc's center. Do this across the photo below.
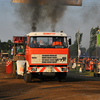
(95, 63)
(70, 63)
(20, 49)
(12, 51)
(3, 59)
(74, 64)
(83, 63)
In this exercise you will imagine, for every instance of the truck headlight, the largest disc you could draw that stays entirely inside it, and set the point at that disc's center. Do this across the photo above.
(33, 69)
(64, 69)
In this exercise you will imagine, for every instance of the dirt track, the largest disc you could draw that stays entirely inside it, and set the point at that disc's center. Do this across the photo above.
(75, 88)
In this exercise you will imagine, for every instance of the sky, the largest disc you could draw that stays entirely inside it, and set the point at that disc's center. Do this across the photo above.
(75, 18)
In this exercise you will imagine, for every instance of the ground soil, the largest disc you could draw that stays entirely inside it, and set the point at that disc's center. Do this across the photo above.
(76, 87)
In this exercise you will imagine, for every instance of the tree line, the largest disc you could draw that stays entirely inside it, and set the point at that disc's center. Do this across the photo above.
(6, 47)
(93, 50)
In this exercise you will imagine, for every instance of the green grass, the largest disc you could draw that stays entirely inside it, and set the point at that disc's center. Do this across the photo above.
(86, 73)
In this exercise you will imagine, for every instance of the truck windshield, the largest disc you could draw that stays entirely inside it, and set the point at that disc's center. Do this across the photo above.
(48, 42)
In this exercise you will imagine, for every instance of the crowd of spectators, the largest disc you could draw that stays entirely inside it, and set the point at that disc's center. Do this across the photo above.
(84, 63)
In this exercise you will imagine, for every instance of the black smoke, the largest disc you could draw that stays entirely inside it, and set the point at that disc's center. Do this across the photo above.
(36, 14)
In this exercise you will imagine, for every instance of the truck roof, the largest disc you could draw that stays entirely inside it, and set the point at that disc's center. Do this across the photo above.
(46, 34)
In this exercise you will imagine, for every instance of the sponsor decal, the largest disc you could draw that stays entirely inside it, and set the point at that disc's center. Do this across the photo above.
(48, 33)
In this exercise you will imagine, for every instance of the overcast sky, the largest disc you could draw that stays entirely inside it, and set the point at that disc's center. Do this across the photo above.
(75, 18)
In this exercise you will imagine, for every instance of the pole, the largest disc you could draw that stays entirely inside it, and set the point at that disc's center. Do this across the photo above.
(78, 45)
(14, 49)
(96, 45)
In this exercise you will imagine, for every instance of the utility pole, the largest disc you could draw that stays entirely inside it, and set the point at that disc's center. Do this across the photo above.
(99, 48)
(78, 45)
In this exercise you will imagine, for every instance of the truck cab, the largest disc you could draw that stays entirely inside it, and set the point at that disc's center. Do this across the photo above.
(43, 55)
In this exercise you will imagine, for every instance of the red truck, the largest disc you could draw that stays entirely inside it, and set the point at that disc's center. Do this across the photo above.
(42, 58)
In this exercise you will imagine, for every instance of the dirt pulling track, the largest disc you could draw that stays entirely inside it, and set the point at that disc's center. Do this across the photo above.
(76, 87)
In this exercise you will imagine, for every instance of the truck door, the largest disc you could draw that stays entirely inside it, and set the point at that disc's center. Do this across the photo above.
(27, 48)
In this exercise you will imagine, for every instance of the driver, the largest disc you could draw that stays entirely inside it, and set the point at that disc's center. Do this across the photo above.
(57, 42)
(35, 44)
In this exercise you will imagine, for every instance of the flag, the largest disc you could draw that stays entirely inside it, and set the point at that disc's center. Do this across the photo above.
(98, 39)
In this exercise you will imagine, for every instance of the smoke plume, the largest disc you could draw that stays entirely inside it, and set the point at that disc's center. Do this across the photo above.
(34, 13)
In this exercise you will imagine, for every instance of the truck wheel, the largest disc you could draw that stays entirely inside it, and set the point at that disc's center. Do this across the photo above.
(62, 76)
(27, 77)
(17, 76)
(59, 78)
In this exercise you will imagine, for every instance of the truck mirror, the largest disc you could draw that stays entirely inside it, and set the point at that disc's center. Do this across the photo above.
(69, 41)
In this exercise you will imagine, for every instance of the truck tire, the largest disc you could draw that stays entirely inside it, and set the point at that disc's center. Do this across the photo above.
(59, 78)
(64, 79)
(62, 76)
(16, 75)
(27, 77)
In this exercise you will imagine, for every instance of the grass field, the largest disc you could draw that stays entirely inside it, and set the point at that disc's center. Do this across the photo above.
(86, 73)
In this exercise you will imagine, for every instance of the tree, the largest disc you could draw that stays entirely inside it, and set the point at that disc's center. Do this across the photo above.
(73, 49)
(78, 37)
(6, 46)
(10, 44)
(0, 45)
(83, 51)
(92, 46)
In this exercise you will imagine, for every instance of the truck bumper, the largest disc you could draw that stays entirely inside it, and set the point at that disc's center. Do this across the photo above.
(47, 69)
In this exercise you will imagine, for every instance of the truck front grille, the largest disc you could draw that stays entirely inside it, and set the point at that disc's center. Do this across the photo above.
(49, 58)
(54, 58)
